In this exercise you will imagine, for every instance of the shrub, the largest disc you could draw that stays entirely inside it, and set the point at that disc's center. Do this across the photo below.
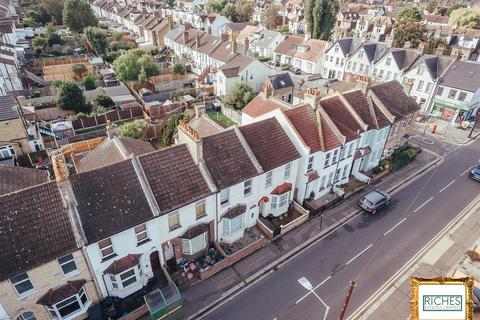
(89, 82)
(135, 129)
(105, 102)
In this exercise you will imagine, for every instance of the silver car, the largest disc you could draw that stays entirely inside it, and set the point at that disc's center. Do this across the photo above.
(374, 200)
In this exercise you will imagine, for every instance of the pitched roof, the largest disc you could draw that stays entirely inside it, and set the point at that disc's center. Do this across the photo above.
(111, 151)
(281, 80)
(374, 50)
(34, 229)
(315, 48)
(261, 105)
(110, 199)
(8, 108)
(393, 97)
(269, 143)
(173, 177)
(404, 58)
(205, 125)
(235, 211)
(17, 178)
(226, 159)
(369, 112)
(61, 293)
(349, 45)
(123, 264)
(436, 65)
(236, 65)
(341, 116)
(462, 75)
(265, 38)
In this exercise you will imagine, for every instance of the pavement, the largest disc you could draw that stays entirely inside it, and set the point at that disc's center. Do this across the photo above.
(206, 294)
(369, 249)
(453, 134)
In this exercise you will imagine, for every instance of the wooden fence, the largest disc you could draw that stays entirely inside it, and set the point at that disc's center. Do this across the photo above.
(101, 119)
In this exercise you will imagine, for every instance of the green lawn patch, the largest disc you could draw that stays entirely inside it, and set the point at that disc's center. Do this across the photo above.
(221, 117)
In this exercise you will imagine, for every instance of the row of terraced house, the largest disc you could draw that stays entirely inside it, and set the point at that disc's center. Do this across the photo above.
(114, 223)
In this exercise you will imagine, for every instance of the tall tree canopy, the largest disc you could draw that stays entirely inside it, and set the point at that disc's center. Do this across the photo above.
(455, 7)
(410, 13)
(270, 15)
(72, 98)
(466, 18)
(432, 6)
(321, 16)
(129, 65)
(215, 6)
(409, 30)
(77, 15)
(97, 37)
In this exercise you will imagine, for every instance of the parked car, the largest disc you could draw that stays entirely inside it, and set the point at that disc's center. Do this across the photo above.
(374, 200)
(296, 70)
(475, 173)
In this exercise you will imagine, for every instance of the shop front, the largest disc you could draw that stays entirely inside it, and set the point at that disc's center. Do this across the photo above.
(453, 112)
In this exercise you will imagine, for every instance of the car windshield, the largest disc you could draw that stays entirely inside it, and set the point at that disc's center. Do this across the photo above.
(367, 202)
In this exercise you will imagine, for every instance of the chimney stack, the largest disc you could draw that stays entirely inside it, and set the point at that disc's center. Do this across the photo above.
(199, 110)
(247, 44)
(224, 36)
(188, 25)
(192, 139)
(59, 165)
(111, 129)
(234, 47)
(312, 96)
(185, 36)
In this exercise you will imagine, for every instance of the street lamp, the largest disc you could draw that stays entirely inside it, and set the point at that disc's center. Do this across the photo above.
(307, 285)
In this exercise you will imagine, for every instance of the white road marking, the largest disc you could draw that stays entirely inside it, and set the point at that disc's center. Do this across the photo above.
(358, 255)
(463, 173)
(423, 204)
(393, 228)
(318, 286)
(448, 185)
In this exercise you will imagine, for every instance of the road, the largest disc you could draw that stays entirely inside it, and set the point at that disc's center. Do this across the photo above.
(368, 248)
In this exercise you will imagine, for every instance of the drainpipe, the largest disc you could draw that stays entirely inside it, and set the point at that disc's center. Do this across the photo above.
(338, 164)
(95, 284)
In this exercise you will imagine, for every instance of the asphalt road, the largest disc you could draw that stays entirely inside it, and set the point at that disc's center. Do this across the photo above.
(368, 248)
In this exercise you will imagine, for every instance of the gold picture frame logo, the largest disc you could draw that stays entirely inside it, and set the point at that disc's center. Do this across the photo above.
(456, 303)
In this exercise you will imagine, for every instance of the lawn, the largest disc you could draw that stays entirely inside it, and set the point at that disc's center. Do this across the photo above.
(221, 117)
(101, 127)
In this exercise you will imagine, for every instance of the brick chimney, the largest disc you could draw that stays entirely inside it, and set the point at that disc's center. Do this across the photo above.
(59, 165)
(224, 37)
(234, 47)
(312, 96)
(188, 25)
(199, 110)
(185, 36)
(170, 22)
(192, 139)
(111, 129)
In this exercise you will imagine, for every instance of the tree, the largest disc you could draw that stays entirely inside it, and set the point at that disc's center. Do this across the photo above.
(230, 12)
(215, 6)
(36, 16)
(97, 38)
(79, 70)
(134, 129)
(178, 67)
(321, 16)
(410, 13)
(169, 128)
(432, 6)
(245, 10)
(455, 7)
(54, 9)
(466, 18)
(77, 15)
(148, 64)
(434, 43)
(409, 30)
(128, 65)
(242, 94)
(170, 3)
(117, 35)
(270, 15)
(284, 29)
(40, 42)
(105, 101)
(72, 98)
(89, 82)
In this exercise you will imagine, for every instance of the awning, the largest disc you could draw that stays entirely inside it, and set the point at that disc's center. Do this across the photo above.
(125, 263)
(281, 189)
(235, 211)
(54, 296)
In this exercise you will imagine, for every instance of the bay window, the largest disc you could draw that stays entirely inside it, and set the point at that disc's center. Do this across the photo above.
(230, 226)
(74, 305)
(279, 201)
(194, 245)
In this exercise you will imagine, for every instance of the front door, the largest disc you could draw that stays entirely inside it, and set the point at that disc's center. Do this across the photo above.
(155, 262)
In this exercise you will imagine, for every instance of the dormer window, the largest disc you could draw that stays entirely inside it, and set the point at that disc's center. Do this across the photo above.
(300, 48)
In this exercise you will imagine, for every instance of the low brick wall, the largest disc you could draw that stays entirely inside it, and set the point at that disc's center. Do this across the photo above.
(266, 231)
(136, 314)
(293, 224)
(380, 175)
(229, 260)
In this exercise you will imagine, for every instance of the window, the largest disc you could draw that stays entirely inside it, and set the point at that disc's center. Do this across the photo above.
(128, 277)
(327, 160)
(354, 66)
(420, 85)
(76, 303)
(461, 96)
(330, 179)
(389, 73)
(342, 153)
(345, 168)
(322, 183)
(67, 263)
(361, 68)
(113, 280)
(141, 233)
(194, 245)
(334, 158)
(173, 220)
(439, 91)
(337, 61)
(200, 209)
(350, 149)
(380, 75)
(452, 93)
(310, 163)
(360, 54)
(268, 178)
(230, 226)
(27, 316)
(288, 168)
(367, 69)
(106, 248)
(375, 70)
(388, 61)
(224, 197)
(429, 87)
(349, 65)
(247, 188)
(420, 70)
(279, 201)
(22, 283)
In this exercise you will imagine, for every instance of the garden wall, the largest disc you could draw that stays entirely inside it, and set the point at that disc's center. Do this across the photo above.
(101, 119)
(232, 114)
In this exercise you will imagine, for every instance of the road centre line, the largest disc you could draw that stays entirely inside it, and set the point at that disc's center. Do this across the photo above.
(395, 226)
(463, 173)
(423, 204)
(315, 288)
(358, 255)
(448, 185)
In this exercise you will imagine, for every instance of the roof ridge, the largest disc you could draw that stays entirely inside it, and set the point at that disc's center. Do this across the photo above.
(248, 150)
(353, 112)
(332, 125)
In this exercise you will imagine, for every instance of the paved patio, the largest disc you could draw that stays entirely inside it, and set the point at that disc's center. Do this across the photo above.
(445, 130)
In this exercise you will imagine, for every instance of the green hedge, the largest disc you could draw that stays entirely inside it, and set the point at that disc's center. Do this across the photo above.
(401, 158)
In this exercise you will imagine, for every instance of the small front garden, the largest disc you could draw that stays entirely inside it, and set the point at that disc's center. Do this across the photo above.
(399, 159)
(250, 236)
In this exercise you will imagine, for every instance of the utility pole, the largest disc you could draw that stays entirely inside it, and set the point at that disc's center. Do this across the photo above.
(347, 300)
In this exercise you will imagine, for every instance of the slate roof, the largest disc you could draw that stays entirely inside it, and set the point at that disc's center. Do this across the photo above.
(112, 151)
(281, 81)
(462, 75)
(269, 143)
(374, 50)
(235, 211)
(34, 229)
(349, 45)
(110, 200)
(393, 97)
(343, 119)
(17, 178)
(267, 37)
(8, 108)
(404, 58)
(227, 161)
(173, 177)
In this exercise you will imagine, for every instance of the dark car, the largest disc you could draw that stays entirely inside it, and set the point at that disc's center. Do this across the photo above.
(374, 200)
(475, 173)
(296, 70)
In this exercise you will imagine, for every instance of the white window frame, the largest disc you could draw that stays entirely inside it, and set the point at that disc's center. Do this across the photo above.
(27, 315)
(27, 292)
(268, 178)
(345, 169)
(129, 277)
(247, 188)
(170, 216)
(102, 249)
(288, 169)
(327, 160)
(61, 264)
(187, 243)
(310, 163)
(231, 226)
(55, 313)
(322, 183)
(142, 235)
(279, 201)
(224, 197)
(334, 157)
